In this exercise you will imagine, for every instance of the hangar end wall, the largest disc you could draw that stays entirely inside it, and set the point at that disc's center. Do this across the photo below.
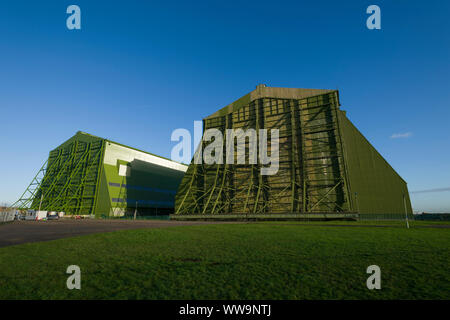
(376, 188)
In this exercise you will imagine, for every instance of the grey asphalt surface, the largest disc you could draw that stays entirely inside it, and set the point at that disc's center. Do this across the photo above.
(19, 232)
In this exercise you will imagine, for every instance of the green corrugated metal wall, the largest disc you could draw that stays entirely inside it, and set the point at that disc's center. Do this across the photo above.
(375, 187)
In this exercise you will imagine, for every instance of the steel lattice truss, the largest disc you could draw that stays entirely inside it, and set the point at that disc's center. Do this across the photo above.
(311, 176)
(67, 181)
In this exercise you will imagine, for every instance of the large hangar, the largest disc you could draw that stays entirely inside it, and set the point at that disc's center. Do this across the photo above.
(89, 175)
(326, 166)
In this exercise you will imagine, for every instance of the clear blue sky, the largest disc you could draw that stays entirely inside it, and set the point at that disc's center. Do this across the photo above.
(136, 71)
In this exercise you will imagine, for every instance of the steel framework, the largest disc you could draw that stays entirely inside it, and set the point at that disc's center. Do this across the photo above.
(311, 176)
(67, 181)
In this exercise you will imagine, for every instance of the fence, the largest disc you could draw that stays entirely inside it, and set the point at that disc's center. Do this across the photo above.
(6, 216)
(138, 217)
(433, 217)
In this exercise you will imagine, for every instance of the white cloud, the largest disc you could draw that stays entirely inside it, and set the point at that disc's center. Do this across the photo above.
(401, 135)
(432, 190)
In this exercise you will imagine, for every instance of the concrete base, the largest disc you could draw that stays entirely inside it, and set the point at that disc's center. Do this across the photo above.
(262, 217)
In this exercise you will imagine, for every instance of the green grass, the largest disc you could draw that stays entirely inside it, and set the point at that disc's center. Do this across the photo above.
(275, 260)
(393, 223)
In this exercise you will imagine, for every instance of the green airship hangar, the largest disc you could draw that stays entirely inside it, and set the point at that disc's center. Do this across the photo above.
(327, 170)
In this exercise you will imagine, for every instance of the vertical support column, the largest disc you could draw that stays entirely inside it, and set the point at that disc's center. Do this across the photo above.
(293, 154)
(84, 173)
(225, 166)
(406, 211)
(253, 167)
(201, 177)
(302, 156)
(230, 173)
(252, 113)
(99, 173)
(259, 107)
(347, 187)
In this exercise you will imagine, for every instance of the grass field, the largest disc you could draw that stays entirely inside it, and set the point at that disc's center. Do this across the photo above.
(270, 260)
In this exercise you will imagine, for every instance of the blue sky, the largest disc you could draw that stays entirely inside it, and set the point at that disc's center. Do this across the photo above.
(138, 70)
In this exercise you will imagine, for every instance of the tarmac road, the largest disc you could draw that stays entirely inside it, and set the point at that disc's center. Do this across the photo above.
(18, 232)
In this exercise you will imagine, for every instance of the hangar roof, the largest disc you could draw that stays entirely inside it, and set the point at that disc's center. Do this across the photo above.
(262, 91)
(86, 137)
